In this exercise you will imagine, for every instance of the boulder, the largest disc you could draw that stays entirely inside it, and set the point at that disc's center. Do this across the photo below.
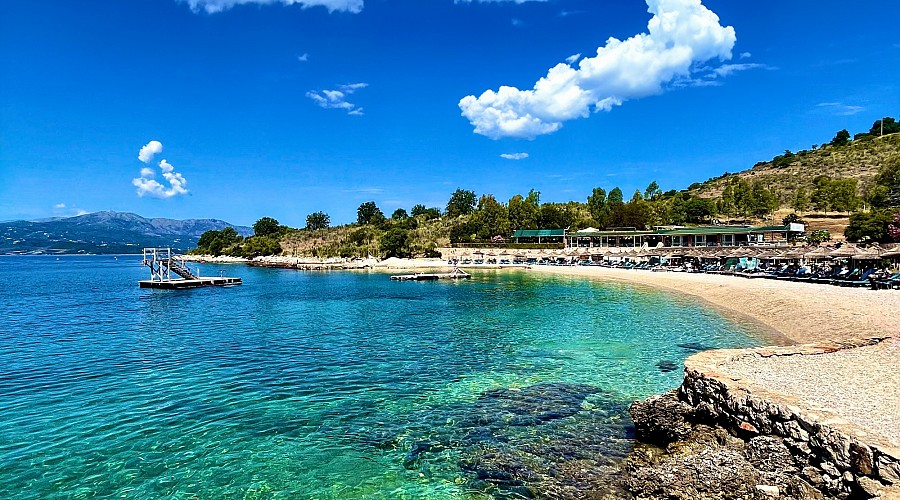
(661, 419)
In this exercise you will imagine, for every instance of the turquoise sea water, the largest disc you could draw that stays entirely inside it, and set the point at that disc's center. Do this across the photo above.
(322, 385)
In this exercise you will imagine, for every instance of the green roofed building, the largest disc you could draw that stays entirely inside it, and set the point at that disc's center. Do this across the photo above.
(705, 236)
(539, 235)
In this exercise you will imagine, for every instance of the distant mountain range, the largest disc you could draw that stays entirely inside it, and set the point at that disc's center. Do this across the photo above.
(105, 233)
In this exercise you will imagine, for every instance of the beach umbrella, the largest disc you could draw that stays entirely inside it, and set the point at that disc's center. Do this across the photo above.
(872, 253)
(893, 251)
(817, 253)
(846, 251)
(791, 255)
(770, 255)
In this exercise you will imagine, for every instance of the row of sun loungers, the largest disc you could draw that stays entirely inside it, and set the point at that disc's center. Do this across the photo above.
(873, 278)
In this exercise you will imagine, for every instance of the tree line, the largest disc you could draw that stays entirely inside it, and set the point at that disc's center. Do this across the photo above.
(469, 218)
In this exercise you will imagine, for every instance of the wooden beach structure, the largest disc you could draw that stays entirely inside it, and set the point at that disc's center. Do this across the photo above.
(456, 274)
(163, 263)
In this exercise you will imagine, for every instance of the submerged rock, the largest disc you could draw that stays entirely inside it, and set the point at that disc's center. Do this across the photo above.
(549, 440)
(531, 405)
(693, 346)
(667, 366)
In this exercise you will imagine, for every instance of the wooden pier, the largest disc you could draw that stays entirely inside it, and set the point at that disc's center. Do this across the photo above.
(456, 274)
(162, 264)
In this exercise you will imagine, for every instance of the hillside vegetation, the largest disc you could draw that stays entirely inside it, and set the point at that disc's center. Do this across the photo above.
(860, 159)
(846, 187)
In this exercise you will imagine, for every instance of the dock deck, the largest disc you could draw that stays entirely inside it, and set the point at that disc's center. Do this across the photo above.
(456, 274)
(181, 284)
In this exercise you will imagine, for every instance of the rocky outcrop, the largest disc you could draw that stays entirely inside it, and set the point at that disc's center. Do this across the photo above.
(681, 457)
(838, 458)
(719, 437)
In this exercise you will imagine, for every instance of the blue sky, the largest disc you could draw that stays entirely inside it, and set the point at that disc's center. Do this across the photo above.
(282, 108)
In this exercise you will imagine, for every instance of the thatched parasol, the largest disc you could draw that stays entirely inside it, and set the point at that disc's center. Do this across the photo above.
(818, 253)
(891, 251)
(871, 253)
(768, 255)
(846, 251)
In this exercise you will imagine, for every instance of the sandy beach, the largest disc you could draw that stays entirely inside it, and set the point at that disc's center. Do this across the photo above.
(802, 312)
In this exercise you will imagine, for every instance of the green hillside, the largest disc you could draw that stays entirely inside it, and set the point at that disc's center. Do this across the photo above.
(860, 159)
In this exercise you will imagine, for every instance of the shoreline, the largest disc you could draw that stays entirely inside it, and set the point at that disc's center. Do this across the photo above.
(802, 313)
(786, 312)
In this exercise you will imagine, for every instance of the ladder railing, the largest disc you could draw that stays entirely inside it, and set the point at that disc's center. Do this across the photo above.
(162, 263)
(180, 270)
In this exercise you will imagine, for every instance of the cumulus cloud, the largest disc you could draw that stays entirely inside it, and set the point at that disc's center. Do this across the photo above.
(745, 55)
(573, 58)
(681, 34)
(59, 205)
(303, 58)
(214, 6)
(514, 156)
(150, 150)
(337, 99)
(147, 185)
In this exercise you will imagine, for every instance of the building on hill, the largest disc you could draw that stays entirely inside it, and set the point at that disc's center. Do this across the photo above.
(704, 236)
(540, 236)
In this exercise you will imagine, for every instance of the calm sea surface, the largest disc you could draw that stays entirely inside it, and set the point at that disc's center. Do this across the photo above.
(321, 385)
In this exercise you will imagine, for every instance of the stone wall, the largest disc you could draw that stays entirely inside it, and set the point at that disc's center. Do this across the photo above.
(842, 460)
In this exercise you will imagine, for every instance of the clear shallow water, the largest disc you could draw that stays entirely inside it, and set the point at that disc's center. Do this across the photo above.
(319, 385)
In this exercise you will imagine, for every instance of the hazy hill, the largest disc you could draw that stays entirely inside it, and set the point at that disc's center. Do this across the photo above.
(105, 232)
(860, 159)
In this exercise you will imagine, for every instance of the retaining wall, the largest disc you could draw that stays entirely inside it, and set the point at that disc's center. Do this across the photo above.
(843, 459)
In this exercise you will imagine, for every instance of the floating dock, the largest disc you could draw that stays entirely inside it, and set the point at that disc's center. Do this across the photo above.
(180, 284)
(456, 274)
(162, 264)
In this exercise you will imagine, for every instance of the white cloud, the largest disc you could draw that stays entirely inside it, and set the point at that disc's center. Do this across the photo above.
(303, 58)
(841, 109)
(337, 99)
(681, 34)
(727, 69)
(214, 6)
(59, 205)
(353, 6)
(497, 1)
(746, 55)
(573, 59)
(150, 150)
(514, 156)
(147, 186)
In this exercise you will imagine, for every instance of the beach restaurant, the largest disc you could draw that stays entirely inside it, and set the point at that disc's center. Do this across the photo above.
(703, 236)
